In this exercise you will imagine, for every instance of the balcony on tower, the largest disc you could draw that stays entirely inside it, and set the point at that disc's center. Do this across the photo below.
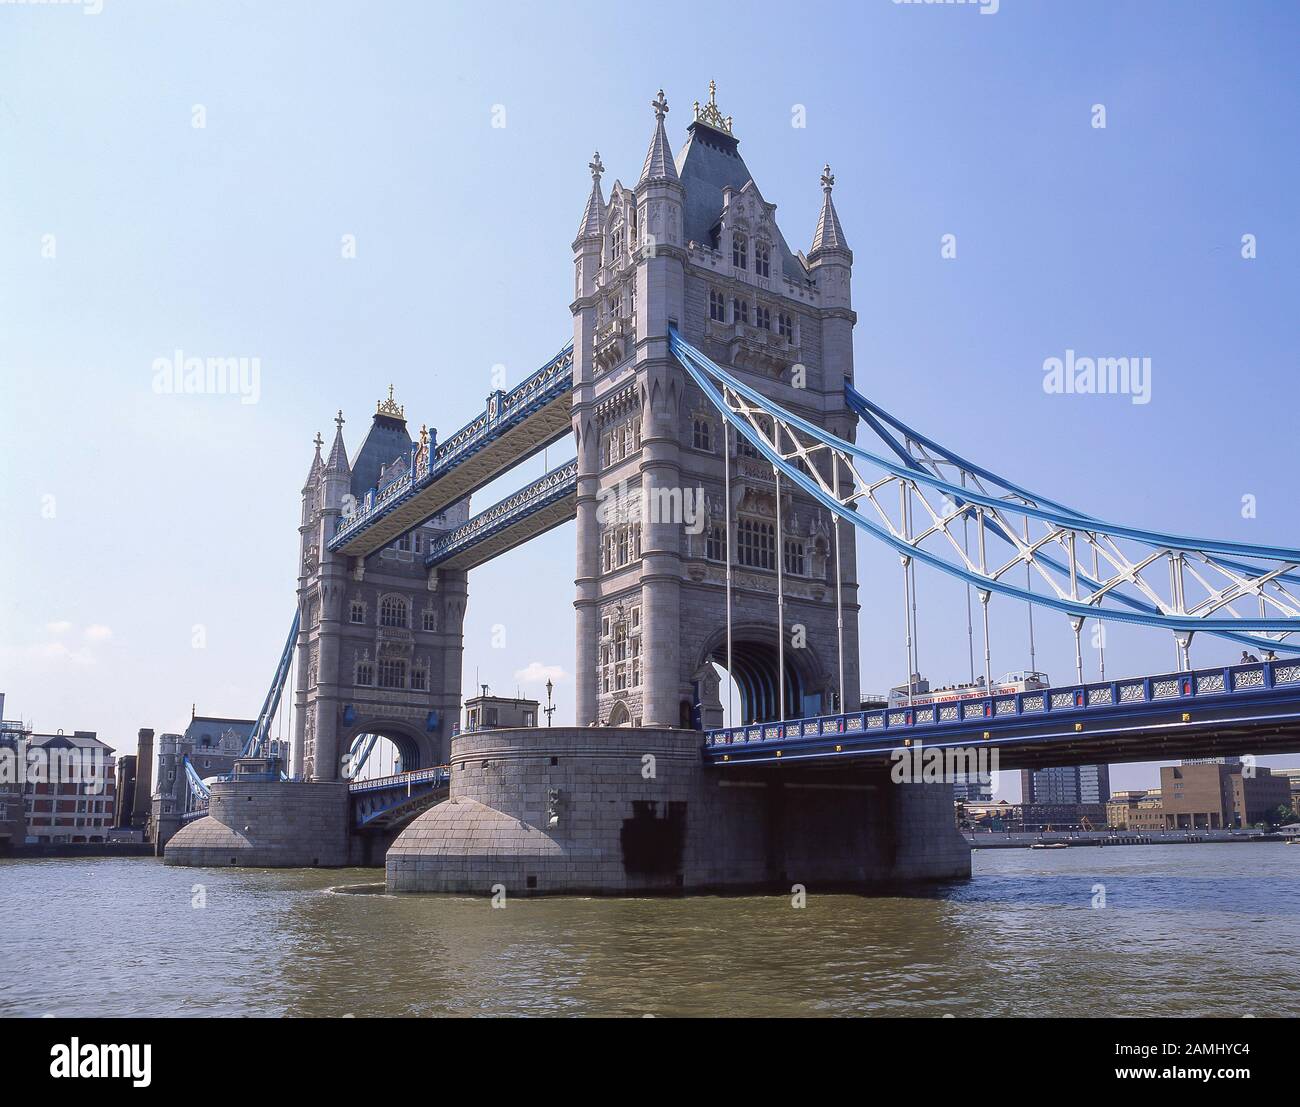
(612, 340)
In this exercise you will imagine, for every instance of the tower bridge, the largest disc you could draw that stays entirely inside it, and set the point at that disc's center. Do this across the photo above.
(719, 490)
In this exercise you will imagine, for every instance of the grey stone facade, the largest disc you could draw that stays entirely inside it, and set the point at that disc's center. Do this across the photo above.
(380, 638)
(696, 245)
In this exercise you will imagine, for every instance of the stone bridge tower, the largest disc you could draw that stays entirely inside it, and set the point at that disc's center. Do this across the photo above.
(695, 244)
(380, 638)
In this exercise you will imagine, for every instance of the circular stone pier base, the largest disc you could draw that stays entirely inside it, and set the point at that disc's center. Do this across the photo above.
(267, 824)
(610, 811)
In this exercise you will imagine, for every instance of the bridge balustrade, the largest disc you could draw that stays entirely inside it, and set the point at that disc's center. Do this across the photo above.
(994, 710)
(503, 410)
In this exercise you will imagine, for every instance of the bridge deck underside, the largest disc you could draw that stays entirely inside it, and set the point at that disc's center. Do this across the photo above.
(1266, 724)
(387, 810)
(516, 533)
(508, 447)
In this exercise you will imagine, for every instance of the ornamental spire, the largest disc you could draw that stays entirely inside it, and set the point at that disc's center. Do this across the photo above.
(709, 115)
(338, 458)
(659, 165)
(828, 235)
(593, 215)
(390, 407)
(316, 462)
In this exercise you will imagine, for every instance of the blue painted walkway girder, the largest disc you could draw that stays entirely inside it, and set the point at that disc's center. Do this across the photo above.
(1253, 708)
(532, 511)
(515, 425)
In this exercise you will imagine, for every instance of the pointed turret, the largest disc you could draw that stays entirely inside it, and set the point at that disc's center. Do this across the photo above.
(830, 264)
(338, 459)
(593, 215)
(659, 164)
(316, 464)
(829, 235)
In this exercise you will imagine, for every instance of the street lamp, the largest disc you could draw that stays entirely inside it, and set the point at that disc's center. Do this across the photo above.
(550, 707)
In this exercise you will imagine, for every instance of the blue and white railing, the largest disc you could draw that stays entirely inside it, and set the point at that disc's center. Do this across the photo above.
(898, 722)
(559, 483)
(503, 411)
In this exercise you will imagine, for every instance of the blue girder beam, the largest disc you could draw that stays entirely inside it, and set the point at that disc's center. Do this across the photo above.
(532, 511)
(515, 425)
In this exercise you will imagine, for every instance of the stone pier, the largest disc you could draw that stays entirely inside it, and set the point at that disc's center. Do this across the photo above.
(267, 824)
(610, 811)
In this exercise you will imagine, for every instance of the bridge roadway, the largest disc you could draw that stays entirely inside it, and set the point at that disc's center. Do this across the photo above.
(1252, 708)
(515, 426)
(386, 802)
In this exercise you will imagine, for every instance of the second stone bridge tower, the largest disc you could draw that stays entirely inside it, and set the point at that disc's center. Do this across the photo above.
(695, 244)
(381, 637)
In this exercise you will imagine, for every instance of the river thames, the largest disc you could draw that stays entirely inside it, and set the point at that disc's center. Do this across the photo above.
(1185, 930)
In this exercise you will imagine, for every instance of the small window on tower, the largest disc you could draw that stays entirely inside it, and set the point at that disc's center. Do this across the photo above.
(358, 612)
(739, 251)
(717, 306)
(762, 259)
(762, 317)
(715, 546)
(784, 325)
(741, 310)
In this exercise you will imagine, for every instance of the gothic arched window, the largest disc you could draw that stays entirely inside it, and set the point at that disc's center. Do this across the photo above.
(739, 251)
(717, 306)
(392, 612)
(756, 544)
(762, 259)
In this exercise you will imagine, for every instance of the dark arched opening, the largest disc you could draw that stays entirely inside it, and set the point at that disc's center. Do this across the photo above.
(756, 670)
(395, 748)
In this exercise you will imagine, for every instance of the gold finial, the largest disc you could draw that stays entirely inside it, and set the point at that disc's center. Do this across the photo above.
(660, 105)
(709, 115)
(424, 436)
(390, 407)
(828, 179)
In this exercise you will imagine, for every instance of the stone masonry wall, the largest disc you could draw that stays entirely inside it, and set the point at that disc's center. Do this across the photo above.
(284, 824)
(634, 811)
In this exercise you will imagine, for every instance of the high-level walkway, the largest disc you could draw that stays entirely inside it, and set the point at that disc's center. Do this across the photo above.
(515, 426)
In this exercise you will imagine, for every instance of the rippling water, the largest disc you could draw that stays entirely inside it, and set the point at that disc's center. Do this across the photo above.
(1186, 930)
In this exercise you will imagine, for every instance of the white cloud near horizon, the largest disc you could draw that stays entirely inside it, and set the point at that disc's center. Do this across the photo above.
(537, 673)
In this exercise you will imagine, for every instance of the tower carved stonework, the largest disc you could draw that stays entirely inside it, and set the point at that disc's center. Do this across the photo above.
(380, 638)
(696, 245)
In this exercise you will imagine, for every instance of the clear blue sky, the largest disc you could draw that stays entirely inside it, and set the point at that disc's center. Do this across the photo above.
(375, 120)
